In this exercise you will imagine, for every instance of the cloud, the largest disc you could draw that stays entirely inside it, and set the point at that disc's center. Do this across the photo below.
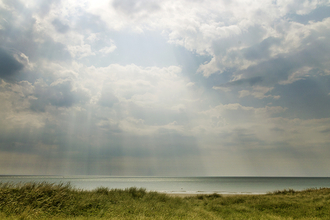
(258, 92)
(326, 130)
(108, 99)
(262, 50)
(9, 66)
(130, 7)
(106, 50)
(52, 50)
(44, 7)
(58, 94)
(249, 81)
(242, 127)
(60, 27)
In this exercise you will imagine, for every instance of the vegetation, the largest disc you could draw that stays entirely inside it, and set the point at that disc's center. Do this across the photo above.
(50, 201)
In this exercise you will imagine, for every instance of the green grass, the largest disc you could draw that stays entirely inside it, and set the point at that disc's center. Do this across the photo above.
(51, 201)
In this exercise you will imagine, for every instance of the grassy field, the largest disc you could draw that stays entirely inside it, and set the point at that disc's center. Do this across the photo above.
(50, 201)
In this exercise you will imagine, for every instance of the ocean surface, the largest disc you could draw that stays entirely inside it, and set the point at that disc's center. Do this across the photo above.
(189, 185)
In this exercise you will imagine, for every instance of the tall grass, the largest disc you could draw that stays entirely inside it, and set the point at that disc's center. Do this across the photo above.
(61, 201)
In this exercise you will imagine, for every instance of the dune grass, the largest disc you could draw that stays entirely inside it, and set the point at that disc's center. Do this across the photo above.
(61, 201)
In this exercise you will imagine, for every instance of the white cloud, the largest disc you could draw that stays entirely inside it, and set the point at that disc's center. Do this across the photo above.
(107, 50)
(22, 58)
(80, 51)
(209, 68)
(189, 84)
(298, 75)
(258, 92)
(224, 89)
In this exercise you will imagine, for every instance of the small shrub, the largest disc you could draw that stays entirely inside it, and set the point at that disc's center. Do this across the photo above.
(283, 192)
(102, 190)
(136, 193)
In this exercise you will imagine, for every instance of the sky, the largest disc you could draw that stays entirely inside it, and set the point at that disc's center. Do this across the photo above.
(165, 88)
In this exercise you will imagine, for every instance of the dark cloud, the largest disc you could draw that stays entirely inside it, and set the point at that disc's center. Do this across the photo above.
(271, 71)
(60, 27)
(276, 129)
(22, 36)
(62, 95)
(9, 66)
(59, 95)
(326, 130)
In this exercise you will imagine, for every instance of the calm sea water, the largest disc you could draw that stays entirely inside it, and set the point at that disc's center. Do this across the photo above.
(187, 185)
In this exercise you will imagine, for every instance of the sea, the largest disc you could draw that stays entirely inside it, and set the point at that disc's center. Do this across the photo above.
(182, 185)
